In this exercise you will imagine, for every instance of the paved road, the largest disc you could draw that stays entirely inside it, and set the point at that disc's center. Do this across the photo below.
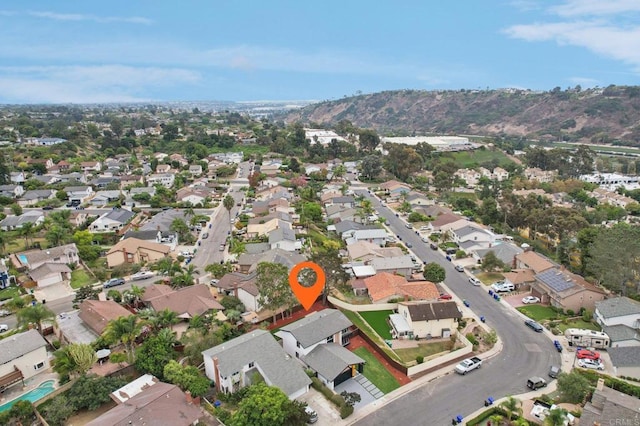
(525, 352)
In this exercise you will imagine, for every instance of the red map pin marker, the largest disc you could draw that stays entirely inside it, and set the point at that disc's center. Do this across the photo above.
(306, 295)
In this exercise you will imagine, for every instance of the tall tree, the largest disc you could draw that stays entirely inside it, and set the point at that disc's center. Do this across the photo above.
(371, 167)
(124, 330)
(266, 406)
(274, 292)
(434, 272)
(228, 204)
(368, 140)
(329, 260)
(34, 315)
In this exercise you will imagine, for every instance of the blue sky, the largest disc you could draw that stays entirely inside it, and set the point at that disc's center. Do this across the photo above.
(158, 50)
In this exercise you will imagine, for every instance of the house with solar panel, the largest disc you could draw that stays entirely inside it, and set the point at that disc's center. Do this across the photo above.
(562, 289)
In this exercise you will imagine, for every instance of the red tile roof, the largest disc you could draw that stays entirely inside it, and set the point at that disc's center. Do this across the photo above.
(187, 301)
(384, 285)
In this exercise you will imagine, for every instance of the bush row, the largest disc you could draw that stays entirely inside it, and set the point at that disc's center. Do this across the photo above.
(338, 400)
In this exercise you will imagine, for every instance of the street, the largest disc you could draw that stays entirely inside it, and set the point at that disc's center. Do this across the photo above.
(525, 353)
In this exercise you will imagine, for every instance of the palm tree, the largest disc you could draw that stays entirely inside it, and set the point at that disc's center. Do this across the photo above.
(56, 235)
(124, 330)
(556, 417)
(512, 406)
(228, 204)
(496, 419)
(3, 242)
(27, 230)
(167, 318)
(134, 295)
(34, 315)
(167, 336)
(200, 322)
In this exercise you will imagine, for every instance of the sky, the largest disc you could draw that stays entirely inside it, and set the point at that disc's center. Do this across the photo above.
(203, 50)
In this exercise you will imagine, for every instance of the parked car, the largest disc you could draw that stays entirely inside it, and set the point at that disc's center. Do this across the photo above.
(554, 370)
(587, 354)
(445, 296)
(142, 275)
(221, 247)
(408, 226)
(409, 245)
(433, 246)
(474, 281)
(459, 268)
(214, 281)
(502, 287)
(594, 364)
(4, 313)
(113, 282)
(424, 239)
(536, 383)
(312, 416)
(4, 328)
(530, 299)
(205, 235)
(534, 325)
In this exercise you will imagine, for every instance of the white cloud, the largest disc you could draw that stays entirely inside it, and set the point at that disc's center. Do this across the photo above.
(83, 84)
(595, 7)
(81, 17)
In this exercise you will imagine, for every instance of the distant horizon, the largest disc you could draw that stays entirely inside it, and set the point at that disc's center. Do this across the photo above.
(127, 52)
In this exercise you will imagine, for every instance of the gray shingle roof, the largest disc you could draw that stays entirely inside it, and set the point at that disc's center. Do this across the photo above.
(468, 230)
(331, 359)
(281, 234)
(397, 262)
(260, 347)
(120, 215)
(433, 311)
(503, 251)
(556, 280)
(20, 344)
(347, 225)
(618, 307)
(317, 326)
(626, 356)
(620, 333)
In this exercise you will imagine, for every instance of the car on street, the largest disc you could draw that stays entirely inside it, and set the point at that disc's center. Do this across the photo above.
(534, 325)
(221, 247)
(445, 296)
(502, 287)
(587, 354)
(459, 268)
(433, 246)
(530, 299)
(113, 282)
(424, 239)
(4, 313)
(594, 364)
(536, 383)
(408, 226)
(3, 328)
(475, 281)
(554, 370)
(205, 235)
(141, 275)
(409, 245)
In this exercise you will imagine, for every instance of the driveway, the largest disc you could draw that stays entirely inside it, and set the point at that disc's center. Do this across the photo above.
(353, 385)
(328, 413)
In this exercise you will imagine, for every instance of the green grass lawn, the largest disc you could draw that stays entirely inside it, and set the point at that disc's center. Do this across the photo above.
(376, 372)
(80, 278)
(9, 293)
(364, 327)
(475, 158)
(378, 321)
(424, 349)
(538, 312)
(579, 324)
(489, 277)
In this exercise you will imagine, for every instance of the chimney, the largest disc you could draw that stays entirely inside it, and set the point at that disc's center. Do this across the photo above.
(189, 398)
(216, 374)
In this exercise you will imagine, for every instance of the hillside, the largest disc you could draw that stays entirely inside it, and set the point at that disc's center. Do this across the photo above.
(593, 115)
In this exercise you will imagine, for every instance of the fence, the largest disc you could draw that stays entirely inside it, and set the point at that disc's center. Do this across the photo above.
(362, 308)
(395, 364)
(444, 359)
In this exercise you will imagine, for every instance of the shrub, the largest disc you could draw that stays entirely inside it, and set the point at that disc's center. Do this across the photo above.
(570, 312)
(118, 357)
(345, 411)
(419, 359)
(58, 411)
(471, 338)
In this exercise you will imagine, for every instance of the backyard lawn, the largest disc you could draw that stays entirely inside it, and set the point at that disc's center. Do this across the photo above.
(80, 278)
(579, 324)
(538, 312)
(376, 372)
(378, 321)
(424, 349)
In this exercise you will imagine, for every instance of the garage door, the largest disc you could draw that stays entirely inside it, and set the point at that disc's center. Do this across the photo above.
(346, 375)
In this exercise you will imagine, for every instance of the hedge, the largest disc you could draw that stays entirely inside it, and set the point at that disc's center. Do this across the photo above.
(338, 400)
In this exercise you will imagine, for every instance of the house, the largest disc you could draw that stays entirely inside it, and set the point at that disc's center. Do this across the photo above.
(473, 233)
(425, 320)
(520, 278)
(339, 213)
(10, 223)
(500, 174)
(129, 180)
(192, 196)
(112, 221)
(319, 341)
(609, 407)
(186, 302)
(233, 364)
(395, 189)
(169, 238)
(542, 176)
(375, 236)
(504, 251)
(150, 403)
(622, 335)
(22, 356)
(532, 260)
(178, 158)
(565, 290)
(399, 265)
(625, 361)
(47, 179)
(195, 169)
(443, 222)
(11, 191)
(35, 196)
(164, 179)
(32, 259)
(384, 286)
(418, 199)
(264, 228)
(249, 262)
(79, 194)
(364, 251)
(347, 226)
(105, 181)
(470, 176)
(163, 168)
(96, 314)
(242, 286)
(285, 239)
(133, 250)
(103, 198)
(617, 311)
(50, 274)
(17, 177)
(343, 201)
(91, 166)
(270, 169)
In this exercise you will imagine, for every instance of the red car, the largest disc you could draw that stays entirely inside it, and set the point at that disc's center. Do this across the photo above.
(445, 296)
(587, 354)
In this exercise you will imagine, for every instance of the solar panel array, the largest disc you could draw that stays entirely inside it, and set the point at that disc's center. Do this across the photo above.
(556, 280)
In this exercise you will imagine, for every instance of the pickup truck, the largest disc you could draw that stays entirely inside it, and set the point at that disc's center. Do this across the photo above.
(468, 364)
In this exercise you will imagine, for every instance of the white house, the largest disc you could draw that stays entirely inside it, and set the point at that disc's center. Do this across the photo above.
(9, 223)
(164, 179)
(11, 191)
(79, 194)
(472, 233)
(233, 364)
(618, 311)
(285, 239)
(22, 356)
(425, 319)
(375, 236)
(112, 221)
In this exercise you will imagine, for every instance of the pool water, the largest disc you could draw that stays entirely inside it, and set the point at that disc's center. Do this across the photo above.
(43, 389)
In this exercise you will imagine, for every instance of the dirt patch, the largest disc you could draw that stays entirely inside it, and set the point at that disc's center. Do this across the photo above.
(84, 417)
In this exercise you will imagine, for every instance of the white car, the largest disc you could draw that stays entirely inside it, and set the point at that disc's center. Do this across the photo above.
(475, 281)
(502, 287)
(591, 363)
(3, 328)
(142, 275)
(530, 299)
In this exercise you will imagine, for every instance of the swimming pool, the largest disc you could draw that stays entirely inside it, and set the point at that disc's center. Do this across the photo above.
(43, 389)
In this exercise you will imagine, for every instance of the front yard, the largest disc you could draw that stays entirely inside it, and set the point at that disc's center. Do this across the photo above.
(378, 321)
(538, 312)
(556, 320)
(425, 350)
(80, 278)
(489, 278)
(376, 372)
